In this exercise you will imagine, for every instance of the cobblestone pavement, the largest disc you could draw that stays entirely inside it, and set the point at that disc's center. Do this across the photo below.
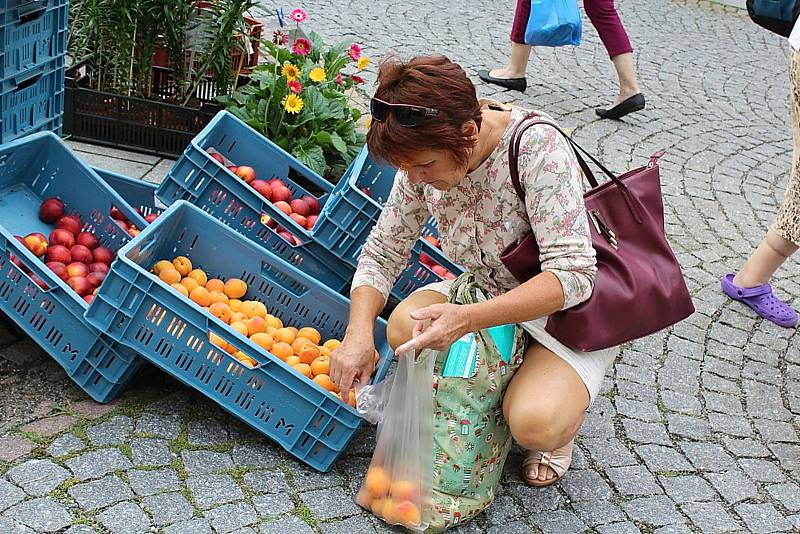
(697, 427)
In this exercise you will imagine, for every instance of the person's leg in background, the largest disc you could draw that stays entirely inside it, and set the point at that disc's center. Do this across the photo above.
(512, 76)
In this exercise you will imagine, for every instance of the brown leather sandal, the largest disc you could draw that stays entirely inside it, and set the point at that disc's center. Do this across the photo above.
(558, 460)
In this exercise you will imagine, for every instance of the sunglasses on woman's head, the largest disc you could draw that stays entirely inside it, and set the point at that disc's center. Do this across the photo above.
(405, 114)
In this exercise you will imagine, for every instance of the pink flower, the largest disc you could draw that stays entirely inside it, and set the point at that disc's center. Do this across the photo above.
(294, 86)
(339, 79)
(280, 38)
(301, 47)
(354, 52)
(357, 79)
(298, 15)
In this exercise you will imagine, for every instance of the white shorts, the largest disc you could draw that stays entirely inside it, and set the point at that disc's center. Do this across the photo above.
(590, 366)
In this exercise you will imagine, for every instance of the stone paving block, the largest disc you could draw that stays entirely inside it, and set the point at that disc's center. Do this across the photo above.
(199, 462)
(162, 426)
(646, 432)
(659, 458)
(608, 452)
(776, 431)
(762, 470)
(732, 425)
(733, 485)
(266, 481)
(594, 513)
(515, 527)
(100, 493)
(11, 526)
(80, 529)
(292, 524)
(633, 480)
(146, 482)
(13, 447)
(658, 510)
(97, 463)
(722, 403)
(537, 499)
(168, 508)
(90, 409)
(125, 518)
(689, 488)
(585, 486)
(686, 426)
(746, 447)
(502, 511)
(207, 432)
(787, 494)
(66, 444)
(707, 456)
(682, 402)
(38, 477)
(787, 455)
(195, 526)
(762, 518)
(230, 517)
(330, 503)
(305, 479)
(262, 455)
(151, 452)
(558, 522)
(210, 490)
(673, 529)
(42, 515)
(9, 494)
(352, 525)
(175, 403)
(619, 528)
(273, 504)
(644, 411)
(636, 392)
(49, 426)
(115, 431)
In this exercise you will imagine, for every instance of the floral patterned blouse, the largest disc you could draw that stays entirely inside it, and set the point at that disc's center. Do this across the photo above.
(482, 215)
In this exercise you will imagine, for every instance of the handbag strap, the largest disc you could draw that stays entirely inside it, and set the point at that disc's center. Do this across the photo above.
(533, 119)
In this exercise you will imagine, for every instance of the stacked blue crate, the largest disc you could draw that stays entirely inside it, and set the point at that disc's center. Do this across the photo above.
(33, 43)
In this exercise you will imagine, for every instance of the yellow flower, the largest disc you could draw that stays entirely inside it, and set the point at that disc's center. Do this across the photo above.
(290, 71)
(292, 103)
(317, 74)
(362, 62)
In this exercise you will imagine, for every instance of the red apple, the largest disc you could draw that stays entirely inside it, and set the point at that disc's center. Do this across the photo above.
(311, 220)
(58, 253)
(263, 188)
(426, 260)
(219, 157)
(51, 210)
(438, 269)
(276, 182)
(103, 255)
(269, 221)
(300, 207)
(87, 240)
(98, 267)
(313, 204)
(81, 254)
(39, 282)
(80, 285)
(71, 223)
(62, 237)
(77, 269)
(151, 217)
(248, 174)
(117, 215)
(281, 194)
(59, 268)
(96, 278)
(299, 219)
(88, 298)
(36, 243)
(284, 207)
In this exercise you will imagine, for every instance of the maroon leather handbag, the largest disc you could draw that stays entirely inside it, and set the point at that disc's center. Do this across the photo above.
(639, 288)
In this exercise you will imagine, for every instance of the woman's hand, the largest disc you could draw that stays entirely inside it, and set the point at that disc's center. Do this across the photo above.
(448, 322)
(353, 360)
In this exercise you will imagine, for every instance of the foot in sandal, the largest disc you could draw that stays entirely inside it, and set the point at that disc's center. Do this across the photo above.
(544, 468)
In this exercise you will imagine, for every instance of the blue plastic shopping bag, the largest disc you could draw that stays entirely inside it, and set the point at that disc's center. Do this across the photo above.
(554, 23)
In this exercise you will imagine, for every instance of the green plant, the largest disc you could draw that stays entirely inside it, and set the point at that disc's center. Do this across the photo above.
(301, 99)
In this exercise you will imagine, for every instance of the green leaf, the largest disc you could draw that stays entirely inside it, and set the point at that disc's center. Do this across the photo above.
(339, 144)
(324, 138)
(311, 156)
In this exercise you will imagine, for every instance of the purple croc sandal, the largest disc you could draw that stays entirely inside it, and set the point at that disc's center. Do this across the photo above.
(762, 301)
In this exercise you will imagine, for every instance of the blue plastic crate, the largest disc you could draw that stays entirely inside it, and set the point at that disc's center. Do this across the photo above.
(31, 169)
(32, 33)
(139, 194)
(32, 100)
(135, 307)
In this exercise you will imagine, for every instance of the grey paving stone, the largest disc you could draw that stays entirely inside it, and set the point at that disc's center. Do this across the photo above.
(733, 485)
(689, 488)
(100, 493)
(273, 504)
(762, 518)
(502, 511)
(658, 510)
(681, 402)
(38, 477)
(124, 518)
(723, 403)
(619, 528)
(659, 459)
(686, 426)
(633, 480)
(707, 456)
(609, 452)
(13, 527)
(645, 432)
(645, 411)
(97, 463)
(146, 482)
(330, 503)
(537, 499)
(167, 508)
(776, 431)
(80, 529)
(514, 527)
(200, 462)
(710, 517)
(746, 447)
(115, 431)
(230, 517)
(151, 452)
(210, 490)
(351, 525)
(558, 521)
(158, 425)
(194, 526)
(9, 494)
(594, 513)
(305, 479)
(42, 514)
(266, 481)
(674, 529)
(292, 524)
(585, 486)
(262, 455)
(731, 425)
(787, 494)
(207, 432)
(49, 426)
(66, 444)
(762, 470)
(787, 455)
(13, 447)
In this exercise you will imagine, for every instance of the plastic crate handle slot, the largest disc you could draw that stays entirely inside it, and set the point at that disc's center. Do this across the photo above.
(31, 10)
(23, 81)
(284, 278)
(238, 345)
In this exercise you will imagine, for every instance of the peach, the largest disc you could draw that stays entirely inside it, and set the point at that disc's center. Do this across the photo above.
(183, 265)
(170, 276)
(161, 265)
(311, 220)
(62, 237)
(98, 267)
(77, 269)
(215, 284)
(235, 288)
(253, 308)
(264, 340)
(36, 243)
(72, 223)
(59, 268)
(103, 254)
(217, 156)
(262, 188)
(281, 194)
(221, 311)
(51, 209)
(240, 327)
(81, 253)
(313, 204)
(299, 219)
(256, 325)
(284, 207)
(87, 239)
(80, 285)
(377, 481)
(299, 207)
(116, 214)
(200, 295)
(404, 490)
(58, 253)
(248, 174)
(276, 182)
(180, 288)
(96, 278)
(190, 283)
(292, 360)
(199, 275)
(407, 513)
(218, 296)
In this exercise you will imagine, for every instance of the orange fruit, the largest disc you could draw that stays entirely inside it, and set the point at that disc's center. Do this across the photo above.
(404, 490)
(263, 340)
(183, 265)
(218, 296)
(285, 335)
(201, 296)
(170, 276)
(332, 344)
(407, 513)
(189, 284)
(216, 340)
(162, 265)
(239, 317)
(198, 276)
(235, 304)
(377, 505)
(240, 327)
(299, 343)
(271, 330)
(253, 308)
(310, 334)
(215, 284)
(245, 359)
(256, 325)
(351, 400)
(181, 289)
(321, 366)
(273, 321)
(308, 353)
(235, 288)
(303, 369)
(377, 481)
(293, 329)
(389, 512)
(281, 350)
(324, 352)
(326, 382)
(221, 311)
(293, 360)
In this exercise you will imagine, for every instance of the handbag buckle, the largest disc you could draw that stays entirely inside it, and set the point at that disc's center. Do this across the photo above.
(604, 230)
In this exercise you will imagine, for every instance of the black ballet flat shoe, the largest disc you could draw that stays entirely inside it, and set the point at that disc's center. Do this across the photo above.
(629, 105)
(517, 84)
